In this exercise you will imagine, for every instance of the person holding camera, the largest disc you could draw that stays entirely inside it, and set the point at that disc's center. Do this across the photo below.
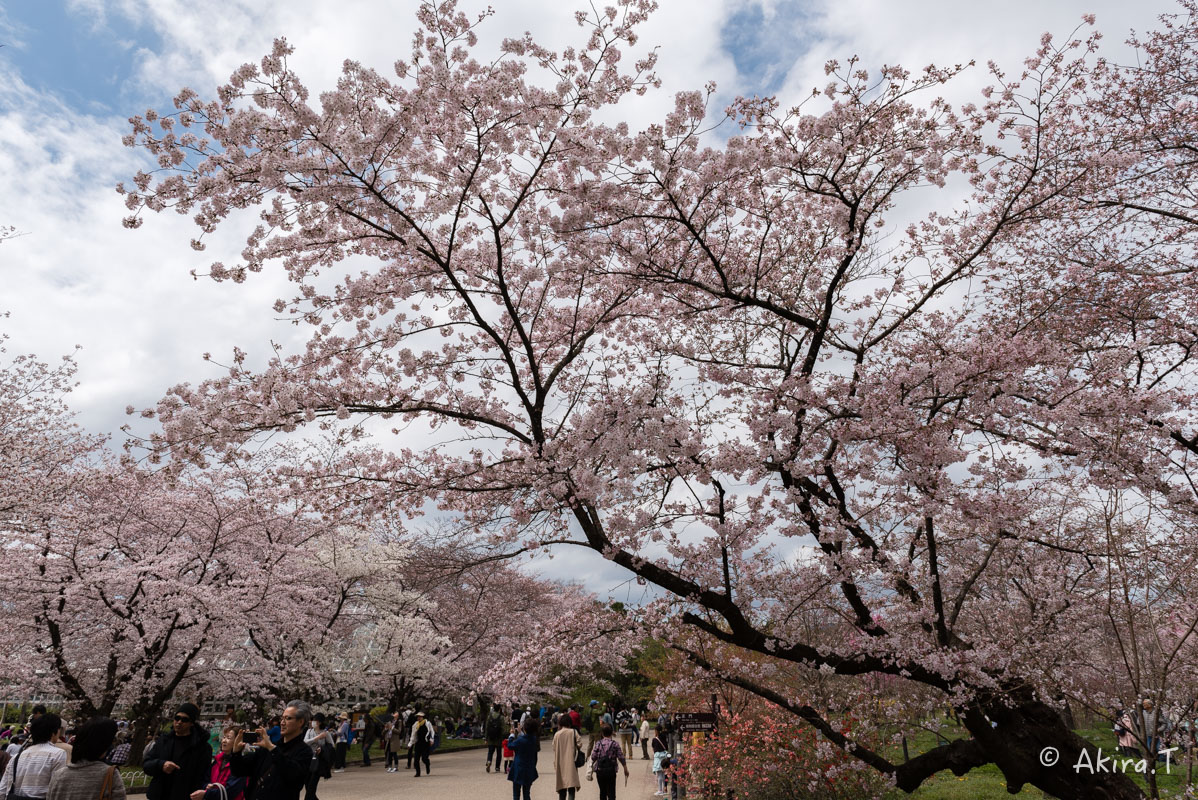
(179, 761)
(275, 771)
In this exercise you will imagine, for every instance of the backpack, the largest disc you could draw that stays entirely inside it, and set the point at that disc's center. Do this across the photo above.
(607, 764)
(495, 727)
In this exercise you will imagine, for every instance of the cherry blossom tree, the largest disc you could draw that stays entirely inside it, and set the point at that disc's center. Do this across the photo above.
(757, 373)
(39, 443)
(140, 583)
(495, 615)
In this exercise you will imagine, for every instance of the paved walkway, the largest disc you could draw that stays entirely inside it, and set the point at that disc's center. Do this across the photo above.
(460, 776)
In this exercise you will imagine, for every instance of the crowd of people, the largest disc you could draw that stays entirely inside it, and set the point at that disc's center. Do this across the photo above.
(292, 753)
(45, 761)
(1145, 732)
(604, 755)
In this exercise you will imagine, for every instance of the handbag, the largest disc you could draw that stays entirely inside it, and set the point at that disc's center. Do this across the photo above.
(216, 791)
(580, 757)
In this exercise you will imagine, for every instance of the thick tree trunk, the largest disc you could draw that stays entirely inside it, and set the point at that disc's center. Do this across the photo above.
(146, 719)
(141, 735)
(1029, 741)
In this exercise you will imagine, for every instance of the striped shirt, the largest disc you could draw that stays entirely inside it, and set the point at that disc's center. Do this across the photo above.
(35, 764)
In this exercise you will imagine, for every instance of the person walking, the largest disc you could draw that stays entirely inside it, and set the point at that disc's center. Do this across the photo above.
(524, 766)
(421, 743)
(606, 759)
(276, 771)
(493, 730)
(87, 776)
(661, 757)
(367, 733)
(320, 741)
(566, 746)
(591, 723)
(28, 773)
(342, 743)
(221, 775)
(389, 755)
(645, 737)
(625, 726)
(180, 760)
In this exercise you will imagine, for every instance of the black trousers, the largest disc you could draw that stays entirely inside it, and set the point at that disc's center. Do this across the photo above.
(420, 753)
(310, 786)
(607, 785)
(342, 750)
(497, 750)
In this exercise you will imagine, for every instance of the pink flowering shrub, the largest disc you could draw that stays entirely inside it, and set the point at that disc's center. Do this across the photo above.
(762, 754)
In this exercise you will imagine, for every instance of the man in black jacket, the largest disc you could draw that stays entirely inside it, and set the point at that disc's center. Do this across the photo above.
(180, 762)
(277, 772)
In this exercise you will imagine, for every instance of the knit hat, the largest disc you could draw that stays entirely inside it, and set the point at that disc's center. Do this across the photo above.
(190, 709)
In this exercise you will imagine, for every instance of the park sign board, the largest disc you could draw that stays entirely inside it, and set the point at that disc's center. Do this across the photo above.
(692, 722)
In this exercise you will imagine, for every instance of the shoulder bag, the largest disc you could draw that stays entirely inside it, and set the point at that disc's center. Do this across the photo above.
(12, 787)
(580, 757)
(106, 787)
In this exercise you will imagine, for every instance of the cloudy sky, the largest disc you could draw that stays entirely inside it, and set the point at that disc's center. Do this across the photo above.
(73, 71)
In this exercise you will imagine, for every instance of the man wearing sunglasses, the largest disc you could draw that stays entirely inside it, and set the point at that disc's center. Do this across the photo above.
(180, 760)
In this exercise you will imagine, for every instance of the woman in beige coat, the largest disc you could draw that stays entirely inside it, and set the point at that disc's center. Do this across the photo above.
(566, 743)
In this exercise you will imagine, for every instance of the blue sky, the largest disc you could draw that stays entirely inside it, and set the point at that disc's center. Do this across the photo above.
(763, 43)
(87, 59)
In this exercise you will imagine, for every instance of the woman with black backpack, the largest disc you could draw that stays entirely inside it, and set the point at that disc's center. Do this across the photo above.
(606, 759)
